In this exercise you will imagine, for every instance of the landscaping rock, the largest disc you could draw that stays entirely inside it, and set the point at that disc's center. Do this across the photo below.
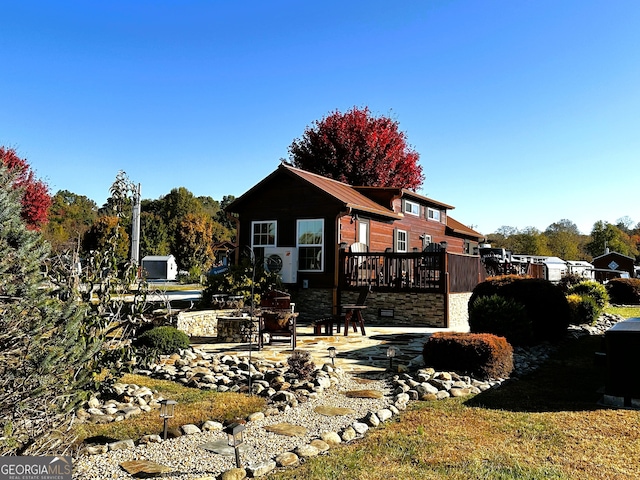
(321, 445)
(306, 451)
(287, 429)
(260, 469)
(190, 429)
(331, 438)
(122, 445)
(287, 459)
(144, 468)
(233, 474)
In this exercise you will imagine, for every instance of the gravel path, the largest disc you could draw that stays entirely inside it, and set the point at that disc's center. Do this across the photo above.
(189, 461)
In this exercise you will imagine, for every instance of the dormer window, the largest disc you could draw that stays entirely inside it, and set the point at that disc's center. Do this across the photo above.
(433, 214)
(412, 208)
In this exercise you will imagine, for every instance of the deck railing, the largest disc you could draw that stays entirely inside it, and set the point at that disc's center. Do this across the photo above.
(415, 271)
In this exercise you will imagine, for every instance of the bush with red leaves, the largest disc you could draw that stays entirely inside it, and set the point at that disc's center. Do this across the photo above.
(479, 355)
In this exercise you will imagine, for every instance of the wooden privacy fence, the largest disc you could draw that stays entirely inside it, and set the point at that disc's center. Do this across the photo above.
(438, 272)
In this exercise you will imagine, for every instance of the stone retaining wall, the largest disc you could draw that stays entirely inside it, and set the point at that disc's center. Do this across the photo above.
(409, 308)
(202, 323)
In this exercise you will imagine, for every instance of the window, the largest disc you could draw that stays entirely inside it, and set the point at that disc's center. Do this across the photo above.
(412, 208)
(311, 245)
(363, 232)
(426, 240)
(433, 214)
(402, 241)
(264, 234)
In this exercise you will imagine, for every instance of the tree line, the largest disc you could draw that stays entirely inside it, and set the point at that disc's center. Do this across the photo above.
(178, 223)
(563, 239)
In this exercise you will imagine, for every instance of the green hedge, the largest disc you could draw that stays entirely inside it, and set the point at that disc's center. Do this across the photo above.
(584, 309)
(500, 316)
(624, 291)
(547, 310)
(163, 340)
(593, 289)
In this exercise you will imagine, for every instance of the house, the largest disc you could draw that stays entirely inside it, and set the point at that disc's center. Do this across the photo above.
(159, 267)
(613, 265)
(301, 223)
(582, 268)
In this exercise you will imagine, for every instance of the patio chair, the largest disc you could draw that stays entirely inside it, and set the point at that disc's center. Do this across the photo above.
(279, 323)
(352, 314)
(327, 323)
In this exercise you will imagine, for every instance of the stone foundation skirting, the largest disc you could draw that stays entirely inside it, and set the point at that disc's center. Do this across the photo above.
(417, 309)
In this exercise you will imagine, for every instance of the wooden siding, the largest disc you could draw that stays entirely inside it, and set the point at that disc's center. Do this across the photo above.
(288, 202)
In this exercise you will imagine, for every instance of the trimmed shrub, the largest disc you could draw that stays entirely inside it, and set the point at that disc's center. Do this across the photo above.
(481, 355)
(545, 304)
(568, 281)
(584, 309)
(500, 316)
(624, 291)
(593, 289)
(163, 340)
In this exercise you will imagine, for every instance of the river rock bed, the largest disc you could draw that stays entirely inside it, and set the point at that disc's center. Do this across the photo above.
(290, 402)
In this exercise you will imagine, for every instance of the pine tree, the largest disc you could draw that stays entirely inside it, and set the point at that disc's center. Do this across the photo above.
(42, 355)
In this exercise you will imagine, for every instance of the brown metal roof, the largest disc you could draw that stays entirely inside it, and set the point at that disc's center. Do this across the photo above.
(398, 192)
(342, 192)
(458, 227)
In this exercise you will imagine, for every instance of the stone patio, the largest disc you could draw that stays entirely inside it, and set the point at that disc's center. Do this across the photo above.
(354, 353)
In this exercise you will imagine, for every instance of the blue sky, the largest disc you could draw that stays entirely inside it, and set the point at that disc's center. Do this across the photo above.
(523, 112)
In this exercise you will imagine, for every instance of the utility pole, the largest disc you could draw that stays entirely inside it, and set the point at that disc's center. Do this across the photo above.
(135, 227)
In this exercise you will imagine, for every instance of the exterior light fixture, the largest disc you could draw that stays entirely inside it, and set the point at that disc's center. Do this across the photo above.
(332, 355)
(167, 411)
(235, 435)
(391, 353)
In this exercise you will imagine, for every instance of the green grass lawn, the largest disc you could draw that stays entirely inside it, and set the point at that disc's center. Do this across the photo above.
(194, 406)
(626, 312)
(547, 425)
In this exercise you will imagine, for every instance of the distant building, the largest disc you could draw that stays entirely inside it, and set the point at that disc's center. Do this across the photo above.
(159, 267)
(614, 265)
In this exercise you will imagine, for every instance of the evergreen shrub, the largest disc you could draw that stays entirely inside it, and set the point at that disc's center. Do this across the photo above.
(545, 305)
(593, 289)
(584, 309)
(479, 355)
(624, 291)
(569, 280)
(301, 365)
(500, 316)
(163, 340)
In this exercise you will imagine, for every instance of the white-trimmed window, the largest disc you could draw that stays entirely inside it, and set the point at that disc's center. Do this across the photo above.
(363, 232)
(426, 241)
(263, 234)
(412, 208)
(401, 241)
(311, 245)
(433, 214)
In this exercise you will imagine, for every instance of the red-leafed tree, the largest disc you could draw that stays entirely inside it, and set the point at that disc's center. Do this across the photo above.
(35, 197)
(359, 149)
